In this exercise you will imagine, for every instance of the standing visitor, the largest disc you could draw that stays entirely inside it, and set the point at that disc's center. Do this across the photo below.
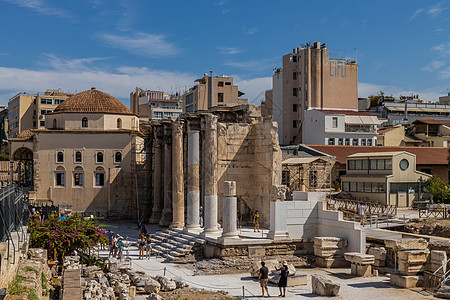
(282, 283)
(264, 278)
(110, 242)
(120, 247)
(361, 209)
(148, 248)
(139, 225)
(201, 216)
(115, 241)
(144, 229)
(256, 217)
(141, 247)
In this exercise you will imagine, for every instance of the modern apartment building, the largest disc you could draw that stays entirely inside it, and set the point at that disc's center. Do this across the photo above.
(155, 104)
(224, 93)
(445, 99)
(27, 111)
(339, 127)
(310, 79)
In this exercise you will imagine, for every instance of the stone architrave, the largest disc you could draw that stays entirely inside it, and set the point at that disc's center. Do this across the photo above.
(166, 216)
(210, 175)
(157, 180)
(229, 211)
(177, 176)
(193, 182)
(278, 192)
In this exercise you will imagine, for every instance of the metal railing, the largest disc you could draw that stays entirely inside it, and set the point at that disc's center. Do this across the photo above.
(370, 208)
(435, 211)
(13, 215)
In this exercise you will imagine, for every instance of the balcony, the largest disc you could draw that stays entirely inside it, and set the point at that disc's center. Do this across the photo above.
(360, 128)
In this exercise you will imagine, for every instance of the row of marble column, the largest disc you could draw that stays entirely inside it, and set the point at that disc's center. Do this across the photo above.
(169, 186)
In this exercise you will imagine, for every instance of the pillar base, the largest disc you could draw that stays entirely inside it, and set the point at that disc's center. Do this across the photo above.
(176, 226)
(211, 233)
(166, 218)
(278, 236)
(155, 218)
(193, 229)
(225, 239)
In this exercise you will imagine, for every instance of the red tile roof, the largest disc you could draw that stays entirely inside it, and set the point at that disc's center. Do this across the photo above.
(431, 122)
(383, 131)
(424, 155)
(93, 101)
(345, 112)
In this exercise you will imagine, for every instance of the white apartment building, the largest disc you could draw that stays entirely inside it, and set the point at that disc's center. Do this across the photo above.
(339, 127)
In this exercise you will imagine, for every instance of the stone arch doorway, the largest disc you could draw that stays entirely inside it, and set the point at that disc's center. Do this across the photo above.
(25, 167)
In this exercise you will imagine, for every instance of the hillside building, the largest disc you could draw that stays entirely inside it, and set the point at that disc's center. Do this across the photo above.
(310, 79)
(155, 104)
(27, 111)
(224, 93)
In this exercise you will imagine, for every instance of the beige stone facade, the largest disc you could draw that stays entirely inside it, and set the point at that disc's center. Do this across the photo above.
(388, 178)
(310, 79)
(27, 111)
(85, 157)
(234, 144)
(225, 93)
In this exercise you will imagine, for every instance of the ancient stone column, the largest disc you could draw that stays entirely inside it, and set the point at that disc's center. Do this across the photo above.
(229, 210)
(166, 217)
(157, 180)
(177, 175)
(193, 186)
(210, 175)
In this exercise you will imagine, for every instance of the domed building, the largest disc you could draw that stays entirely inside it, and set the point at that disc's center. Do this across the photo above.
(84, 158)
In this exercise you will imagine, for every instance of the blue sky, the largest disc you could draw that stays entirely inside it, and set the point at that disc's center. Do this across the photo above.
(402, 46)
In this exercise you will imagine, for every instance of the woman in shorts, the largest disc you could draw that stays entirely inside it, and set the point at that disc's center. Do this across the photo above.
(148, 249)
(141, 247)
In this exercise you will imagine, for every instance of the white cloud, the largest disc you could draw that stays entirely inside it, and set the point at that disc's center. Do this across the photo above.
(435, 10)
(416, 13)
(434, 65)
(230, 50)
(444, 74)
(442, 49)
(118, 83)
(253, 65)
(152, 45)
(77, 65)
(41, 7)
(254, 88)
(249, 30)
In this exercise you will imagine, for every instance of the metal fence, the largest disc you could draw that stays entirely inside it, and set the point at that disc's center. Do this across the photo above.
(13, 211)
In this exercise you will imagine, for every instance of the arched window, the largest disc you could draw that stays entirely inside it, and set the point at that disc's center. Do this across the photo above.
(99, 157)
(54, 124)
(119, 123)
(84, 122)
(99, 176)
(60, 157)
(78, 157)
(60, 177)
(118, 157)
(78, 176)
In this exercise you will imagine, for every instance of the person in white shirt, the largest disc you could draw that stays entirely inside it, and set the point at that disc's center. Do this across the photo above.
(361, 209)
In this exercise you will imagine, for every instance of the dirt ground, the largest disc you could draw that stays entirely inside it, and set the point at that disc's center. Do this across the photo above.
(195, 294)
(435, 227)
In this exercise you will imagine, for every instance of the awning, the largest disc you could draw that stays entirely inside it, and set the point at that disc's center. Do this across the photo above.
(362, 120)
(299, 160)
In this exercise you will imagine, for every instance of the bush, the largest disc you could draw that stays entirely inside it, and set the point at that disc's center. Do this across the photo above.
(65, 236)
(438, 189)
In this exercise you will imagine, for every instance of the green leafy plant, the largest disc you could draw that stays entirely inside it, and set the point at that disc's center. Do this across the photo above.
(28, 269)
(15, 288)
(438, 189)
(44, 282)
(65, 236)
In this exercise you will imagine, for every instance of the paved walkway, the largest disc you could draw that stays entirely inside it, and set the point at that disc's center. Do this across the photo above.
(351, 287)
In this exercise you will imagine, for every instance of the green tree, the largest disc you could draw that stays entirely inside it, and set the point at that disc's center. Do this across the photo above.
(438, 189)
(64, 236)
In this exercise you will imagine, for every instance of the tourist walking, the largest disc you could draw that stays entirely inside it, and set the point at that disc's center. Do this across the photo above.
(148, 248)
(264, 278)
(115, 240)
(361, 209)
(141, 247)
(256, 217)
(120, 248)
(110, 242)
(144, 229)
(282, 283)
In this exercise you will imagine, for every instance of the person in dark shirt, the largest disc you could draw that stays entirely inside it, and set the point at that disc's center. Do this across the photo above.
(282, 283)
(264, 278)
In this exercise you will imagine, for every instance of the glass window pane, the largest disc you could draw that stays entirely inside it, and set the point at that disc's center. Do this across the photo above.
(382, 187)
(388, 164)
(368, 187)
(365, 164)
(373, 164)
(360, 187)
(374, 187)
(380, 164)
(352, 186)
(358, 164)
